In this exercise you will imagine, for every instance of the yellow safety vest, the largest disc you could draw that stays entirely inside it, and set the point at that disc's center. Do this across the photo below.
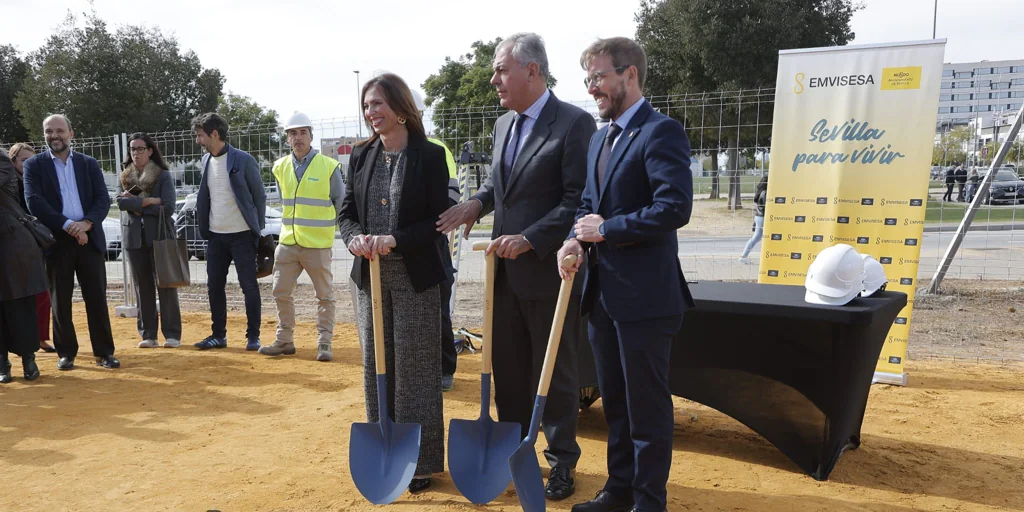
(309, 217)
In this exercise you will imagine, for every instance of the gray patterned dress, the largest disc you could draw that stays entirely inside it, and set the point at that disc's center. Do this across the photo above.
(412, 326)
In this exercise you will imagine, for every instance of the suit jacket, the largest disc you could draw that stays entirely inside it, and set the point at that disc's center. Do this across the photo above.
(42, 193)
(542, 194)
(646, 197)
(247, 185)
(138, 231)
(424, 199)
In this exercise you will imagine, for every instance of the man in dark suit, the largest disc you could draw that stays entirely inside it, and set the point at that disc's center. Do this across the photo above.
(639, 192)
(537, 175)
(66, 191)
(231, 208)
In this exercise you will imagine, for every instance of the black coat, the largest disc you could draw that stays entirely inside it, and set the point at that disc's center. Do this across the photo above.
(22, 273)
(424, 199)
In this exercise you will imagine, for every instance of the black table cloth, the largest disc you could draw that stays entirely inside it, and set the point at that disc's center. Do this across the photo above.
(798, 374)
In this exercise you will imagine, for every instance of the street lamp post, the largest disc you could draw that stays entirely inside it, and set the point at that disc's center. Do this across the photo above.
(359, 108)
(935, 17)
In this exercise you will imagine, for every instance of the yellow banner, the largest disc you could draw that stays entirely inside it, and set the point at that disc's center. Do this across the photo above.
(851, 151)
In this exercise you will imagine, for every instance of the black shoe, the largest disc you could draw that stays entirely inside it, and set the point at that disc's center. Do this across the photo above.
(605, 502)
(419, 485)
(28, 364)
(108, 362)
(46, 347)
(561, 484)
(5, 370)
(66, 363)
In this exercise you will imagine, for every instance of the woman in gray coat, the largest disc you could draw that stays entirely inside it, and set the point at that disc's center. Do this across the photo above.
(22, 277)
(148, 193)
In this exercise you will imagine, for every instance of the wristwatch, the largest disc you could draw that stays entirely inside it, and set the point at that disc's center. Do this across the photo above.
(600, 229)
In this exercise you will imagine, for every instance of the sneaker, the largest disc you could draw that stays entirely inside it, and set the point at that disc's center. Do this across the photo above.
(211, 342)
(252, 344)
(278, 349)
(172, 343)
(148, 344)
(323, 352)
(447, 382)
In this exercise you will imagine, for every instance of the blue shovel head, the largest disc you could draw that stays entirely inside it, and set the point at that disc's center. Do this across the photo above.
(383, 456)
(478, 452)
(524, 466)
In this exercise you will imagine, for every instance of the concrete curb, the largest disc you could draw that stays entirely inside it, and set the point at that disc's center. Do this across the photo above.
(951, 228)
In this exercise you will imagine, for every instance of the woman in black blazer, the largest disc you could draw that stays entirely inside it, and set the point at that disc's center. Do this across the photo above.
(148, 194)
(398, 187)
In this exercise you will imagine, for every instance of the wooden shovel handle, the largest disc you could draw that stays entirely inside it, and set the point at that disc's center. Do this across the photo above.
(555, 338)
(378, 316)
(489, 270)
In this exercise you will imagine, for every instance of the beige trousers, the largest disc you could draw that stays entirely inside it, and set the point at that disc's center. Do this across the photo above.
(289, 262)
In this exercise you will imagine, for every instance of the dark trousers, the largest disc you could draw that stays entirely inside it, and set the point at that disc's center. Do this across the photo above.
(221, 250)
(632, 360)
(449, 357)
(521, 329)
(43, 315)
(144, 273)
(19, 333)
(66, 260)
(960, 191)
(949, 192)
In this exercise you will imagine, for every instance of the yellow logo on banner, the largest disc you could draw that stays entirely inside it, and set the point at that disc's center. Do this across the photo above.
(799, 87)
(901, 79)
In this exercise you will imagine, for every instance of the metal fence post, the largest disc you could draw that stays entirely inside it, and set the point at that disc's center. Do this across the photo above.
(130, 307)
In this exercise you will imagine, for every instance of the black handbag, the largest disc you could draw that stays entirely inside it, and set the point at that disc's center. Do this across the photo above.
(265, 256)
(42, 234)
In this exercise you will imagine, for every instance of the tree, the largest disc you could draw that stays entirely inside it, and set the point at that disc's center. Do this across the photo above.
(695, 47)
(464, 101)
(952, 147)
(12, 77)
(135, 79)
(253, 129)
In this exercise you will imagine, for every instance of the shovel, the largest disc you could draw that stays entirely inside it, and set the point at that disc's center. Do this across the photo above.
(382, 456)
(478, 450)
(525, 469)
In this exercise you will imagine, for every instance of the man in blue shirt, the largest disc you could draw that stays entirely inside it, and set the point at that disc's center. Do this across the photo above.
(66, 191)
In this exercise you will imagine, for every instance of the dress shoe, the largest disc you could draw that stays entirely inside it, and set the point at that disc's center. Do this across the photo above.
(605, 502)
(46, 347)
(419, 485)
(5, 370)
(561, 484)
(66, 363)
(28, 364)
(108, 362)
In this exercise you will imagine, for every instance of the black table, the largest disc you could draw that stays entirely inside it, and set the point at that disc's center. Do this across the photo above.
(798, 374)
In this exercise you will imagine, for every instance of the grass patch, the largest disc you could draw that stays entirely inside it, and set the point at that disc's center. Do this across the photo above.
(939, 212)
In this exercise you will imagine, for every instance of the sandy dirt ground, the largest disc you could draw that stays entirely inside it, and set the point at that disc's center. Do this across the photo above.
(179, 429)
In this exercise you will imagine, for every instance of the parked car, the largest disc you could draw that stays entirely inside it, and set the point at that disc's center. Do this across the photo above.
(1006, 187)
(188, 229)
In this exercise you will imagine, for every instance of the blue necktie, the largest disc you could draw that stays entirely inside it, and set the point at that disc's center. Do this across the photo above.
(513, 149)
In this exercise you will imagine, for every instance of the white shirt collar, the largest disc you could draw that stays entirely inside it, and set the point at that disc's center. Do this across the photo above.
(627, 116)
(534, 111)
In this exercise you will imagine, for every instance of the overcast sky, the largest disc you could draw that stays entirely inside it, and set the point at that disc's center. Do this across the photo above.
(290, 58)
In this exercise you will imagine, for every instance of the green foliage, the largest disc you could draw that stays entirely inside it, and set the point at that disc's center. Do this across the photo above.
(12, 77)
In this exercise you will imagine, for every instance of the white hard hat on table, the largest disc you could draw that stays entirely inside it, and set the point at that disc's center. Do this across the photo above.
(874, 276)
(835, 277)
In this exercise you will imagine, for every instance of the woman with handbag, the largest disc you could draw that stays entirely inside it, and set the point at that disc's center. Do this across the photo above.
(19, 153)
(760, 197)
(22, 277)
(149, 198)
(398, 189)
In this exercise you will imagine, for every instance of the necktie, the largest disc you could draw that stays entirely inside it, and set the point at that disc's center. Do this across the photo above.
(606, 150)
(512, 150)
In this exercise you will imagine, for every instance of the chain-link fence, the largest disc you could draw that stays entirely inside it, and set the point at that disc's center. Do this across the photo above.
(730, 134)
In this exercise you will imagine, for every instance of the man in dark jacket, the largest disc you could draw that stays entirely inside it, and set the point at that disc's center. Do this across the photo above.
(950, 181)
(961, 180)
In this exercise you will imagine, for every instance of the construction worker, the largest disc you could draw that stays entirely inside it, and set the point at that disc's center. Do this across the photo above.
(449, 357)
(312, 190)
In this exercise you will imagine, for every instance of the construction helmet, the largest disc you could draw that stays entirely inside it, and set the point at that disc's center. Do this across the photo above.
(835, 277)
(874, 276)
(420, 105)
(298, 120)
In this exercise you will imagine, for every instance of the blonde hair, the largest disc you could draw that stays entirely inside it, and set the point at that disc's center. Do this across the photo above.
(18, 148)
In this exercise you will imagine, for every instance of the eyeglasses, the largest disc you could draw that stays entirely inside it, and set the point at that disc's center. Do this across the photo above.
(598, 77)
(134, 149)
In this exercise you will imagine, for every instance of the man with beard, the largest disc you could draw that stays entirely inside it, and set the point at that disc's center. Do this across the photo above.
(66, 191)
(638, 193)
(534, 190)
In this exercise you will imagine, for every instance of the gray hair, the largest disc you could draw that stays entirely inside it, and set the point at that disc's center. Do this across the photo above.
(57, 116)
(527, 48)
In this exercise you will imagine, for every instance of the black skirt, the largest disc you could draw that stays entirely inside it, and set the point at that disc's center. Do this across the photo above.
(19, 332)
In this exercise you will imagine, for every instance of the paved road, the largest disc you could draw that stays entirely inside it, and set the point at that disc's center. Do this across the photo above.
(991, 255)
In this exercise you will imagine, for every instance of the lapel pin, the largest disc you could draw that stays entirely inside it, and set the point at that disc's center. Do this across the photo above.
(631, 133)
